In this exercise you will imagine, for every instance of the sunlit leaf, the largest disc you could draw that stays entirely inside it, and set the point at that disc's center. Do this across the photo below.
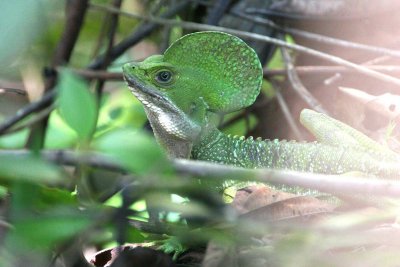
(14, 140)
(59, 135)
(120, 108)
(77, 104)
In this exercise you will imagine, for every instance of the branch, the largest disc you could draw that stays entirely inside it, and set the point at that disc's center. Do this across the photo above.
(142, 31)
(285, 110)
(318, 37)
(98, 74)
(298, 86)
(313, 70)
(107, 56)
(161, 228)
(43, 103)
(200, 169)
(76, 10)
(13, 91)
(255, 36)
(325, 183)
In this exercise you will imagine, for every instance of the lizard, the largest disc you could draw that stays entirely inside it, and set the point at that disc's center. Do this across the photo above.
(205, 74)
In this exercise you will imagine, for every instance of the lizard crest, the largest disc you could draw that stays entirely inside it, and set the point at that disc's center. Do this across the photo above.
(199, 75)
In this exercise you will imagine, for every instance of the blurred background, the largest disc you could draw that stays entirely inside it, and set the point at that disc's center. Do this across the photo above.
(61, 88)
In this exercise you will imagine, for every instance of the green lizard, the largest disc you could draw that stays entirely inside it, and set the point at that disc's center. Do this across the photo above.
(205, 74)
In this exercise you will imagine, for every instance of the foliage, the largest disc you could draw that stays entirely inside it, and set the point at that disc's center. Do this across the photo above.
(101, 180)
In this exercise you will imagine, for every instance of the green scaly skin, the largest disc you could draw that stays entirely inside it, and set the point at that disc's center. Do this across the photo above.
(205, 74)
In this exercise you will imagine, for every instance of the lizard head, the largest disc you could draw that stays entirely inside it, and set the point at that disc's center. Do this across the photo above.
(200, 74)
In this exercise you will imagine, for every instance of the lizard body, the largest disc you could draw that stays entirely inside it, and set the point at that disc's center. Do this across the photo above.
(205, 74)
(291, 155)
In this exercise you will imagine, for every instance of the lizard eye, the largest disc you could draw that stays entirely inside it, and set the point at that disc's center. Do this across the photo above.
(163, 76)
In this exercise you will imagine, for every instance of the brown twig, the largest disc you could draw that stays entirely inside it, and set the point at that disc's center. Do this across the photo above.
(76, 10)
(200, 169)
(41, 104)
(107, 55)
(297, 85)
(40, 115)
(267, 39)
(98, 74)
(142, 31)
(318, 37)
(13, 91)
(285, 110)
(47, 99)
(314, 70)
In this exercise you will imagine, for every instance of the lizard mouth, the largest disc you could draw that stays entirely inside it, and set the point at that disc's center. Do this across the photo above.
(161, 112)
(147, 95)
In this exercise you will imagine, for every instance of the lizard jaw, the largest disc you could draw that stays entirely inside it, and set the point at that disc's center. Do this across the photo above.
(162, 113)
(146, 95)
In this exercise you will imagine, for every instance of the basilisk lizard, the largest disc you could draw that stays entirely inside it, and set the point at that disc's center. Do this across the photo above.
(205, 74)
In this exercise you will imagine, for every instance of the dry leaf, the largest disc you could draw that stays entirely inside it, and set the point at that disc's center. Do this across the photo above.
(299, 207)
(256, 196)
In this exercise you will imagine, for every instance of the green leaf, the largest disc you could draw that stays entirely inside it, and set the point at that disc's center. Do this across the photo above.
(77, 104)
(134, 150)
(45, 230)
(120, 109)
(28, 168)
(14, 140)
(134, 236)
(59, 135)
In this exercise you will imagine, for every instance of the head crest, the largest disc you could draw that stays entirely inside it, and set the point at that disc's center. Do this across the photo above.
(231, 69)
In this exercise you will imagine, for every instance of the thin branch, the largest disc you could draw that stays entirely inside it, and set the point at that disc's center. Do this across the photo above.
(207, 170)
(76, 10)
(255, 36)
(13, 91)
(46, 101)
(107, 55)
(142, 31)
(98, 74)
(160, 228)
(318, 37)
(325, 183)
(337, 76)
(43, 103)
(314, 70)
(286, 112)
(297, 85)
(38, 117)
(217, 11)
(12, 84)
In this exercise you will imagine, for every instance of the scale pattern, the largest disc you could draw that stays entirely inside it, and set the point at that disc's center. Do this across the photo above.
(226, 71)
(290, 155)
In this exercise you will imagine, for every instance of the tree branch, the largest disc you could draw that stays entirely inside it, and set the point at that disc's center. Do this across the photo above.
(142, 31)
(298, 86)
(318, 37)
(76, 10)
(200, 169)
(255, 36)
(43, 103)
(314, 70)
